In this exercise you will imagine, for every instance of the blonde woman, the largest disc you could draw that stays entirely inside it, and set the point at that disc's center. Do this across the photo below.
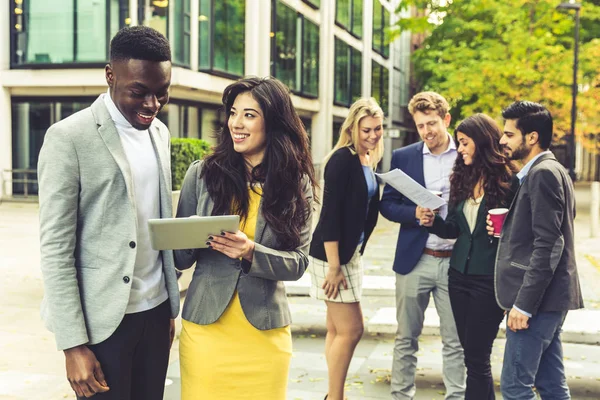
(348, 216)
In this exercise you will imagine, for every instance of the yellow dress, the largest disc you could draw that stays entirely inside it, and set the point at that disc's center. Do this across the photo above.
(230, 359)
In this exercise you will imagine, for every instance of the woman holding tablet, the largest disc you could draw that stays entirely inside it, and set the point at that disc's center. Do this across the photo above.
(236, 340)
(349, 214)
(482, 179)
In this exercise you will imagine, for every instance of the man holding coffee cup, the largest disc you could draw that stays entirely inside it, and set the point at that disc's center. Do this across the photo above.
(536, 273)
(422, 259)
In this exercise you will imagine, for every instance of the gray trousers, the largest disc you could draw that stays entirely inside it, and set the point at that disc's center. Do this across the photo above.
(430, 277)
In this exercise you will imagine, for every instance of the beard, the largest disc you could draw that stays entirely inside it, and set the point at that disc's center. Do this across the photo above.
(520, 152)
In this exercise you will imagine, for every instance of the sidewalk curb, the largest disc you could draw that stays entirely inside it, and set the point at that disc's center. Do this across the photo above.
(581, 326)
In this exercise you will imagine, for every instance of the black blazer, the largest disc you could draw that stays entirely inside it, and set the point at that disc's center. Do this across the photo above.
(473, 253)
(345, 202)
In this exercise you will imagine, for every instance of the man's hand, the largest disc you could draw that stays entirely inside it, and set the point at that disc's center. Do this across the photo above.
(517, 321)
(489, 225)
(427, 217)
(419, 212)
(335, 277)
(84, 372)
(172, 331)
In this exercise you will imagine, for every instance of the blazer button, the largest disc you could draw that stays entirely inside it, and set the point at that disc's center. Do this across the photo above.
(132, 244)
(126, 279)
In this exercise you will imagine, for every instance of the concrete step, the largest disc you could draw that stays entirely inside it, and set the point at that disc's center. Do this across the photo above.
(581, 326)
(373, 285)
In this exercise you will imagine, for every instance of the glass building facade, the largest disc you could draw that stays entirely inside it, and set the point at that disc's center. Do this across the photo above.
(210, 48)
(295, 50)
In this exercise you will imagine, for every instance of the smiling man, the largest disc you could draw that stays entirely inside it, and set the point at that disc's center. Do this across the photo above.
(422, 259)
(110, 299)
(536, 272)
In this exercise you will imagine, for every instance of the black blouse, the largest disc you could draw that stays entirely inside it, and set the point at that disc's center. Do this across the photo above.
(345, 203)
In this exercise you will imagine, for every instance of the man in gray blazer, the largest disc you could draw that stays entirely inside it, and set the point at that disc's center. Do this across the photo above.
(110, 299)
(536, 274)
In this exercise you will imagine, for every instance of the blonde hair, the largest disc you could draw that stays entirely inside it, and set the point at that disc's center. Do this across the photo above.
(363, 107)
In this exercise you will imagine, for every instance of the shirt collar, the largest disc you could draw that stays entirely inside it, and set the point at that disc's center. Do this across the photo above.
(525, 170)
(451, 146)
(118, 118)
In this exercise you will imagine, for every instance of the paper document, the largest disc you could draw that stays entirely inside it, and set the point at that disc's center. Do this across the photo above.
(412, 189)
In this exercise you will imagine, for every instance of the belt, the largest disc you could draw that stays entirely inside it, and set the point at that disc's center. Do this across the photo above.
(437, 253)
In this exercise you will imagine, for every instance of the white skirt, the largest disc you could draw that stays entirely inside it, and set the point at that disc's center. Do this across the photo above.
(353, 272)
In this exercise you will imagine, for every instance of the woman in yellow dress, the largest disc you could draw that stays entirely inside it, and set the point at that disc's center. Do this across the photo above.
(236, 340)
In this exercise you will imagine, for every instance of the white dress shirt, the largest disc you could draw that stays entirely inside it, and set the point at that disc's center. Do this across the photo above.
(437, 170)
(148, 288)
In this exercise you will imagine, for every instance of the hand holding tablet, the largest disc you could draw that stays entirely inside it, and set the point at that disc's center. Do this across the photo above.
(189, 233)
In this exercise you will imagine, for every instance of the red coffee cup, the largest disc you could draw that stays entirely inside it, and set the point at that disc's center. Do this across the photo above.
(497, 216)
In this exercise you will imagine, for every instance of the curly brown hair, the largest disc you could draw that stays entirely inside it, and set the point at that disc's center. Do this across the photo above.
(490, 165)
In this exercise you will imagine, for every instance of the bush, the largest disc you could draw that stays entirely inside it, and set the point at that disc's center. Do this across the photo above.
(183, 152)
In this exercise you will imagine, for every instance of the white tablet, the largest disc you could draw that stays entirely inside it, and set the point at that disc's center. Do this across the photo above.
(189, 233)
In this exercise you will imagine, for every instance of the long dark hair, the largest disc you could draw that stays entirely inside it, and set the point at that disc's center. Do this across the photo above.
(286, 164)
(490, 165)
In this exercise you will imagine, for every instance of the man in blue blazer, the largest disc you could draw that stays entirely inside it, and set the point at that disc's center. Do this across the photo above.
(536, 272)
(422, 259)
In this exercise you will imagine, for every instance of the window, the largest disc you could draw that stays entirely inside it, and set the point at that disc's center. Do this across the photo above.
(191, 120)
(348, 73)
(381, 20)
(31, 118)
(221, 30)
(155, 14)
(64, 31)
(295, 51)
(183, 16)
(380, 82)
(349, 14)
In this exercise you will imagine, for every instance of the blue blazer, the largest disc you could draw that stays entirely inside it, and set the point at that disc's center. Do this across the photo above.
(397, 208)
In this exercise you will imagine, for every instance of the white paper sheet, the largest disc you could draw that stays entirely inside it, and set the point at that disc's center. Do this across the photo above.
(412, 189)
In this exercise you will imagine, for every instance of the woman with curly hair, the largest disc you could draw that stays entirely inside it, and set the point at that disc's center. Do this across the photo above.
(236, 340)
(482, 179)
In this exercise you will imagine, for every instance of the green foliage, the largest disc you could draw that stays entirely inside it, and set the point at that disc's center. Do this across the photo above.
(486, 54)
(183, 153)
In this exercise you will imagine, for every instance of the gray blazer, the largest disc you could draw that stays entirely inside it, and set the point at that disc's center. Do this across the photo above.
(216, 276)
(535, 263)
(88, 225)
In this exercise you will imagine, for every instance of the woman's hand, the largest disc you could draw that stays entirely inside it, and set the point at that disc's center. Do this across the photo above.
(233, 245)
(333, 280)
(427, 217)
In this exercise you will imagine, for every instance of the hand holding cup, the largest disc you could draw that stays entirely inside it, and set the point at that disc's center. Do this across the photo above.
(495, 218)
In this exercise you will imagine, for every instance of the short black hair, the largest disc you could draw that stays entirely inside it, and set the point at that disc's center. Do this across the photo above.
(531, 117)
(139, 43)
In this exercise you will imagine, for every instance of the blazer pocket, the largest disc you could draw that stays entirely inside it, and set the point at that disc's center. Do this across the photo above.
(520, 266)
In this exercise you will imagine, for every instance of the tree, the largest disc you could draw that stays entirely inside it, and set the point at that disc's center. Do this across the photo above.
(484, 54)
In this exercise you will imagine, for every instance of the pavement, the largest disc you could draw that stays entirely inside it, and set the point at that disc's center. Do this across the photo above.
(32, 369)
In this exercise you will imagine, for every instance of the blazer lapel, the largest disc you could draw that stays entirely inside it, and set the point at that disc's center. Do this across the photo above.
(462, 219)
(480, 215)
(110, 136)
(261, 223)
(164, 189)
(419, 175)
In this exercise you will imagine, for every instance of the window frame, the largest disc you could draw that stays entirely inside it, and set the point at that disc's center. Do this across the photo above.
(380, 47)
(351, 28)
(183, 33)
(211, 69)
(14, 36)
(352, 54)
(301, 19)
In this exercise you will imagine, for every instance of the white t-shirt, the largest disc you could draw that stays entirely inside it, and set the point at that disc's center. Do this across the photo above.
(148, 288)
